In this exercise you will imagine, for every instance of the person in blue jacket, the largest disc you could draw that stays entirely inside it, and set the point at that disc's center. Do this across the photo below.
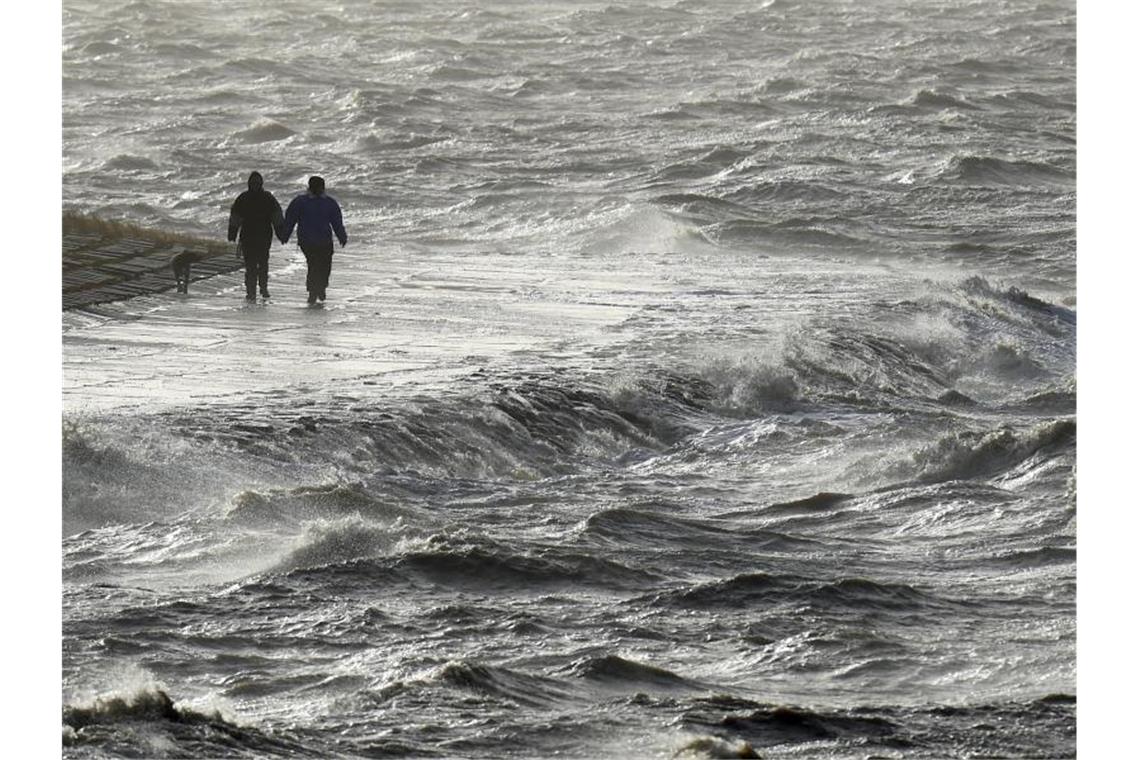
(317, 217)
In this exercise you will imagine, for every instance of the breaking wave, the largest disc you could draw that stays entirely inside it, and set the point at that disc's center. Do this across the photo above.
(543, 425)
(137, 723)
(976, 455)
(147, 705)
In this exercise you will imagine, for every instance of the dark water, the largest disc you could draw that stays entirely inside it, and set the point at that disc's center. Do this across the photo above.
(699, 380)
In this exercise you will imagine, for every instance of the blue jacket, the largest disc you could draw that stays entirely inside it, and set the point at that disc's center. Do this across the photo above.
(316, 217)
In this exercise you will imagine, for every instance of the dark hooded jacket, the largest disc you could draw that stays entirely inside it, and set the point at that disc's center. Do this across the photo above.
(257, 214)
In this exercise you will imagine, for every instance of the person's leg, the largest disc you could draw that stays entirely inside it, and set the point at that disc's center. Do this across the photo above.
(249, 256)
(326, 270)
(311, 263)
(263, 271)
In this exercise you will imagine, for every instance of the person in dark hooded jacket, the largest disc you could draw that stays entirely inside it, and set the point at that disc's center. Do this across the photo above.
(317, 218)
(256, 217)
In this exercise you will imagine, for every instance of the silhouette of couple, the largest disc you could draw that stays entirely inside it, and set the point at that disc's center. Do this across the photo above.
(255, 218)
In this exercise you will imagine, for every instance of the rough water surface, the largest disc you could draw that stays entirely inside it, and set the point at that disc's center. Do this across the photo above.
(698, 381)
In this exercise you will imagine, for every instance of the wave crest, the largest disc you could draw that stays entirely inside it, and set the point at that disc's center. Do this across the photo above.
(940, 100)
(991, 170)
(263, 132)
(129, 726)
(966, 455)
(146, 705)
(127, 162)
(619, 670)
(331, 543)
(498, 681)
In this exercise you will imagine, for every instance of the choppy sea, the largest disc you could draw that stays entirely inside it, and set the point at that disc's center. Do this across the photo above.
(698, 381)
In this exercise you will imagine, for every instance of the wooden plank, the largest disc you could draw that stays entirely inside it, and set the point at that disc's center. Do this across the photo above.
(134, 266)
(156, 283)
(120, 269)
(77, 280)
(104, 254)
(83, 239)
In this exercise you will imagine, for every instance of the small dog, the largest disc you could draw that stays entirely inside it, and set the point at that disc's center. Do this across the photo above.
(180, 263)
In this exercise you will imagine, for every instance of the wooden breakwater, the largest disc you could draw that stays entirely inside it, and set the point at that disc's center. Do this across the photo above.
(112, 261)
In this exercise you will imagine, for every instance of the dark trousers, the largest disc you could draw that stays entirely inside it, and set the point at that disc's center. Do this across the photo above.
(319, 257)
(256, 255)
